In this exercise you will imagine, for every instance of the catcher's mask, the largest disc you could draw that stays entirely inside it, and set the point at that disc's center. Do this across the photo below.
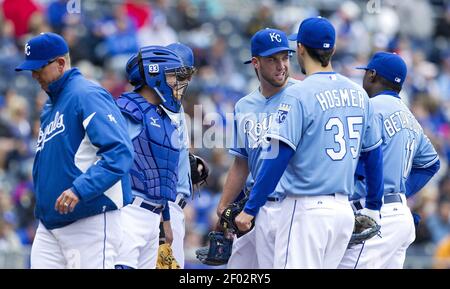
(186, 54)
(162, 70)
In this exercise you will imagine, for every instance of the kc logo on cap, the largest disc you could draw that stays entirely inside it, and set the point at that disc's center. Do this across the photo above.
(41, 49)
(269, 41)
(27, 49)
(275, 36)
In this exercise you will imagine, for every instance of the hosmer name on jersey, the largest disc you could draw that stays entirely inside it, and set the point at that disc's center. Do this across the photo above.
(340, 98)
(55, 127)
(400, 120)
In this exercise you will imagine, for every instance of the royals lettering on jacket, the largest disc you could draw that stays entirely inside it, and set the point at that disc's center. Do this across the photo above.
(54, 128)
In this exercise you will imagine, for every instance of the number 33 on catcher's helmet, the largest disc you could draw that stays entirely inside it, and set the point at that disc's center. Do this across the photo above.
(161, 70)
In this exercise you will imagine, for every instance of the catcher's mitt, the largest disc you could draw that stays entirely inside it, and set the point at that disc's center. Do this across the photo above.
(365, 228)
(198, 177)
(230, 213)
(218, 252)
(166, 260)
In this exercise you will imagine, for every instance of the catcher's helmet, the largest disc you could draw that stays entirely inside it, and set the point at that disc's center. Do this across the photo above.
(184, 52)
(162, 70)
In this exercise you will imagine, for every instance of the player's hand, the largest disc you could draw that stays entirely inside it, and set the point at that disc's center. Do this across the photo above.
(374, 214)
(226, 233)
(66, 202)
(244, 221)
(168, 234)
(220, 210)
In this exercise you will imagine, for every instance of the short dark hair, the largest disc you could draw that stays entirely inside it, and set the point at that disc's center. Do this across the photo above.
(321, 55)
(388, 84)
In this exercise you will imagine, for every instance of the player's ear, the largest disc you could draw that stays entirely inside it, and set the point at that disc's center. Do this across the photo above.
(255, 62)
(372, 75)
(300, 49)
(61, 63)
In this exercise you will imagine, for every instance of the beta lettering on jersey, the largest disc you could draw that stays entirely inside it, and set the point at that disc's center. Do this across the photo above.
(340, 98)
(54, 128)
(400, 120)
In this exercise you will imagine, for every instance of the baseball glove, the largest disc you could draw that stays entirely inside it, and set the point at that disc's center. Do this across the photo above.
(166, 260)
(227, 219)
(218, 252)
(365, 228)
(198, 178)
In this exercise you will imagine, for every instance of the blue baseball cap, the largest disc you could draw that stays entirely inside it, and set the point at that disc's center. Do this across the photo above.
(41, 49)
(389, 65)
(315, 32)
(267, 42)
(184, 52)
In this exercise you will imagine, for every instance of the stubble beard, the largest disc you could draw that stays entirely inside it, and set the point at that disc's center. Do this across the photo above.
(275, 83)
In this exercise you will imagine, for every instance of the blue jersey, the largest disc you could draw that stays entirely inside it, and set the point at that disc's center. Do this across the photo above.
(405, 146)
(82, 145)
(184, 184)
(254, 114)
(327, 121)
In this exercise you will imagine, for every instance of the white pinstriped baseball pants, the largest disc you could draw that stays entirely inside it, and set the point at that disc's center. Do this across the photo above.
(255, 250)
(139, 248)
(313, 231)
(387, 251)
(89, 243)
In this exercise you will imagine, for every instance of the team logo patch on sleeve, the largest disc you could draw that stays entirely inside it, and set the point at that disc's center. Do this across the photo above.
(283, 110)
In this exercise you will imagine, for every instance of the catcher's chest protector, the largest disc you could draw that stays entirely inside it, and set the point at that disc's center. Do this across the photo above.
(155, 165)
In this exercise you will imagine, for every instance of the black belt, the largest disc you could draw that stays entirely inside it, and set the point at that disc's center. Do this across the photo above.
(388, 199)
(150, 207)
(395, 198)
(182, 203)
(357, 205)
(273, 199)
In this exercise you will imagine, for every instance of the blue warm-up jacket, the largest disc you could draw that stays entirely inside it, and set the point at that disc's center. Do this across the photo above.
(83, 144)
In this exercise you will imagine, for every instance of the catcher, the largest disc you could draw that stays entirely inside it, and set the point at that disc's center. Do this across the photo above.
(192, 170)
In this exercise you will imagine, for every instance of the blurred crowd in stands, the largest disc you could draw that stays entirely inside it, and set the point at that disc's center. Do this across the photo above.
(103, 34)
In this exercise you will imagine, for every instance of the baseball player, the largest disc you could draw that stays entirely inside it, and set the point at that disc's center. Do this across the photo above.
(159, 79)
(83, 155)
(254, 114)
(184, 187)
(321, 127)
(410, 161)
